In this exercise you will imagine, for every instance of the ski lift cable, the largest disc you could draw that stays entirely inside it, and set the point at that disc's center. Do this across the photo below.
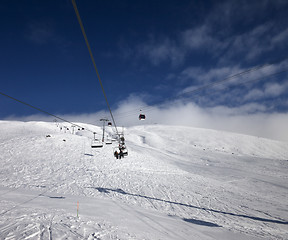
(93, 61)
(253, 80)
(149, 108)
(207, 85)
(235, 76)
(41, 110)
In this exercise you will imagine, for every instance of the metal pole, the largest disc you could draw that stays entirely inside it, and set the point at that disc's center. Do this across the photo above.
(73, 128)
(103, 131)
(104, 120)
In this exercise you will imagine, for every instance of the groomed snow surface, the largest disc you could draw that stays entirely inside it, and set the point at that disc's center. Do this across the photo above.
(176, 183)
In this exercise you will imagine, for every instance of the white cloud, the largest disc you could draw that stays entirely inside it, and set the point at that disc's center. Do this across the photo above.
(241, 120)
(275, 89)
(253, 85)
(219, 36)
(203, 76)
(258, 41)
(268, 90)
(245, 119)
(248, 45)
(253, 94)
(162, 51)
(281, 37)
(198, 37)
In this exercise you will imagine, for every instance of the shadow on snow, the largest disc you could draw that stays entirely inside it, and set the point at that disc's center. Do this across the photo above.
(108, 190)
(200, 222)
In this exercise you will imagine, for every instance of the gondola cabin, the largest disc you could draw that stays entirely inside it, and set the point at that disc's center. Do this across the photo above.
(142, 117)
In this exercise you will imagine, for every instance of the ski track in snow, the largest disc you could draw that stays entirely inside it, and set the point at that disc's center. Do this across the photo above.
(177, 182)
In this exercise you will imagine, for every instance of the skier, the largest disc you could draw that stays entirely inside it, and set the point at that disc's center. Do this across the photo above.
(116, 154)
(121, 154)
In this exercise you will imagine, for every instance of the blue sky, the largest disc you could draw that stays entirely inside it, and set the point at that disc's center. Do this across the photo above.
(151, 55)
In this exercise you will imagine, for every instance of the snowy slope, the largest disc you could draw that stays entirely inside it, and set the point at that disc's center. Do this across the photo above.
(176, 183)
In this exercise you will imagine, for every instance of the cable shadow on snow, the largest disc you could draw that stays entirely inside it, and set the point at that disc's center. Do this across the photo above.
(118, 190)
(52, 197)
(200, 222)
(88, 154)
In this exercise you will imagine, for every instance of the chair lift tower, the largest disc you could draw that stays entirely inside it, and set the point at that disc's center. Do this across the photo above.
(103, 120)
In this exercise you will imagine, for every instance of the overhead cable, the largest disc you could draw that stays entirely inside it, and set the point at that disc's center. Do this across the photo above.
(41, 110)
(149, 108)
(93, 61)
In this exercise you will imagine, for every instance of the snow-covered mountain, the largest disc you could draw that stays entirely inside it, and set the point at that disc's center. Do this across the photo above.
(175, 183)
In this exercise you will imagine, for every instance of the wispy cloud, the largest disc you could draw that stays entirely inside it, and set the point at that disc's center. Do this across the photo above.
(269, 90)
(241, 33)
(203, 76)
(251, 44)
(281, 37)
(161, 51)
(199, 37)
(225, 86)
(39, 33)
(44, 33)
